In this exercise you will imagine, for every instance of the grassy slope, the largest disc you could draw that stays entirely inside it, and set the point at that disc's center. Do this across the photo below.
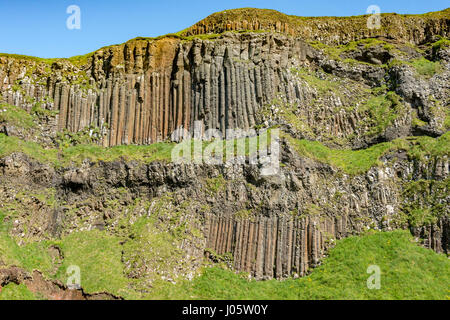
(98, 255)
(13, 291)
(408, 272)
(359, 161)
(76, 154)
(350, 161)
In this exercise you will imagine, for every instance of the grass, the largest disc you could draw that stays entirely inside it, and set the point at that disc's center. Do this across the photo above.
(383, 110)
(77, 154)
(152, 253)
(107, 261)
(425, 67)
(28, 58)
(75, 60)
(428, 208)
(67, 154)
(360, 161)
(10, 145)
(440, 44)
(407, 272)
(30, 257)
(324, 86)
(147, 154)
(13, 291)
(16, 116)
(98, 255)
(351, 161)
(335, 52)
(215, 185)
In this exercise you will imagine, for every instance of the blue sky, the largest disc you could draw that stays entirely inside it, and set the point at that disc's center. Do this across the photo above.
(38, 27)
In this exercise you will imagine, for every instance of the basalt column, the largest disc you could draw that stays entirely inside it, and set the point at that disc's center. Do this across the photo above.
(274, 247)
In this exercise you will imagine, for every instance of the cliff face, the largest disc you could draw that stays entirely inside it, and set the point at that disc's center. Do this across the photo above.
(416, 29)
(365, 115)
(141, 91)
(270, 227)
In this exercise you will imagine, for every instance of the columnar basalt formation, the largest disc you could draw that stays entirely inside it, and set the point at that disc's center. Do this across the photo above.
(274, 247)
(141, 91)
(143, 95)
(364, 120)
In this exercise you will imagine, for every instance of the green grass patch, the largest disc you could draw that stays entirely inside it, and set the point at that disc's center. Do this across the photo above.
(98, 255)
(16, 116)
(417, 123)
(147, 154)
(440, 44)
(325, 86)
(13, 291)
(407, 272)
(10, 145)
(31, 257)
(422, 66)
(422, 147)
(425, 67)
(350, 161)
(151, 253)
(77, 154)
(28, 58)
(215, 185)
(425, 201)
(336, 52)
(383, 110)
(360, 161)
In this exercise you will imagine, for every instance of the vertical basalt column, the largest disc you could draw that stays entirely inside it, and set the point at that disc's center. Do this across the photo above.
(166, 125)
(132, 120)
(250, 251)
(122, 110)
(208, 230)
(260, 246)
(220, 236)
(160, 109)
(245, 245)
(114, 114)
(275, 247)
(146, 109)
(222, 105)
(154, 107)
(279, 249)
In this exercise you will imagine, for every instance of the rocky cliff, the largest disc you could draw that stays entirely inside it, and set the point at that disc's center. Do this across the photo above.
(365, 145)
(141, 91)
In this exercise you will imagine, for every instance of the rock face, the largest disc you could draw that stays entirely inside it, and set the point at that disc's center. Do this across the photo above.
(142, 91)
(271, 228)
(329, 81)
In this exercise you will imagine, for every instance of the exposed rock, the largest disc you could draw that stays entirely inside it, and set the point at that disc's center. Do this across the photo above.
(142, 91)
(271, 228)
